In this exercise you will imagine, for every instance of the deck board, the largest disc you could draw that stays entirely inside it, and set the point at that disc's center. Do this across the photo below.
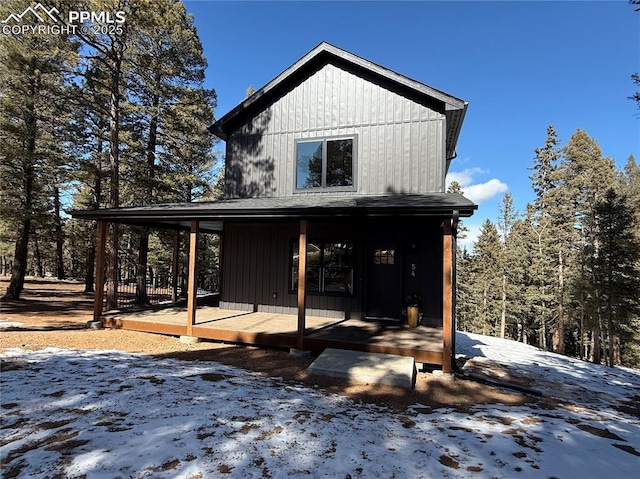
(271, 329)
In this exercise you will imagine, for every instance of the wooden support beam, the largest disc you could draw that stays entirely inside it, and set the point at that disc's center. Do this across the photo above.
(192, 293)
(98, 297)
(447, 296)
(175, 264)
(302, 283)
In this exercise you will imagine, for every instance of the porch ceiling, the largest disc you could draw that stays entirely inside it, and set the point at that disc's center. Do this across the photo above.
(213, 214)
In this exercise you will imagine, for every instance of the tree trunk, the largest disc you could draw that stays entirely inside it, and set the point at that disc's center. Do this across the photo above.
(19, 269)
(611, 337)
(114, 196)
(38, 268)
(596, 346)
(484, 310)
(91, 255)
(141, 271)
(583, 353)
(143, 250)
(503, 316)
(59, 237)
(90, 269)
(558, 338)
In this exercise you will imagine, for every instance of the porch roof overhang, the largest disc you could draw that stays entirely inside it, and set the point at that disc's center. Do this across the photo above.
(213, 214)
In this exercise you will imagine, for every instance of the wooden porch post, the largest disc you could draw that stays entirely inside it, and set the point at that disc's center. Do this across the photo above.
(192, 293)
(302, 283)
(98, 297)
(447, 295)
(174, 265)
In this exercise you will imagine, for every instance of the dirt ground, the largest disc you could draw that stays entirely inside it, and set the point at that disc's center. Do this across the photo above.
(54, 313)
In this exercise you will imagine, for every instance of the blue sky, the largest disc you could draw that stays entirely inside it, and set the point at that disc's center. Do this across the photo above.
(520, 65)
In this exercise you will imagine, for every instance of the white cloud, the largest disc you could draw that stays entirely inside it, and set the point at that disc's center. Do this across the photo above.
(464, 177)
(483, 191)
(479, 192)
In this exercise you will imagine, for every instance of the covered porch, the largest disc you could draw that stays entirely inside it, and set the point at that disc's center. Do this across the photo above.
(256, 319)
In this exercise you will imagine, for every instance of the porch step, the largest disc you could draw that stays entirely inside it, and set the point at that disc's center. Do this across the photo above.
(373, 368)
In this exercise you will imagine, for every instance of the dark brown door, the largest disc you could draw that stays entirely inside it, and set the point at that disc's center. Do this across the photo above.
(384, 281)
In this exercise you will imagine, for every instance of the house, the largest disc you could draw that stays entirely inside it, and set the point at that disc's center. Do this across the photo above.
(335, 204)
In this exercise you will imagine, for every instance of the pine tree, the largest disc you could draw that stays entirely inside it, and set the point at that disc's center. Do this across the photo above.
(520, 260)
(90, 127)
(109, 50)
(508, 216)
(540, 220)
(171, 113)
(32, 67)
(466, 311)
(586, 176)
(615, 270)
(487, 253)
(630, 187)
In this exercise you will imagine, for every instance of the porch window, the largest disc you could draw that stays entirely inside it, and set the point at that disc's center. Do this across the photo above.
(330, 267)
(325, 163)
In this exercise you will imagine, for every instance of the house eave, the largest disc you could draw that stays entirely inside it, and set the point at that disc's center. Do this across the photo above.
(178, 215)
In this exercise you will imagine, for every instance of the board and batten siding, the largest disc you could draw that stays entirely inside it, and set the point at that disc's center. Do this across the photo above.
(256, 273)
(400, 144)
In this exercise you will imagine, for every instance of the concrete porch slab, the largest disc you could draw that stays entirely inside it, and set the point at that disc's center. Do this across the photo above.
(371, 368)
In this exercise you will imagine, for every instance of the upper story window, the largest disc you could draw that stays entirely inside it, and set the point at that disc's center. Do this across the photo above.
(325, 164)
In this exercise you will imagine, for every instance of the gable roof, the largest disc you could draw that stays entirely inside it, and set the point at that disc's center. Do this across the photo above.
(453, 108)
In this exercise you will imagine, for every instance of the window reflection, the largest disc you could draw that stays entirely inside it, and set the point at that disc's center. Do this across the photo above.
(309, 164)
(324, 163)
(330, 267)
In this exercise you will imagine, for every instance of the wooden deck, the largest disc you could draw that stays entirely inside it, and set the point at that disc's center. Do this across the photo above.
(268, 329)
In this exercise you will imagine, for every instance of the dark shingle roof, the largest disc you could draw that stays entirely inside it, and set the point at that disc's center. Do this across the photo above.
(214, 213)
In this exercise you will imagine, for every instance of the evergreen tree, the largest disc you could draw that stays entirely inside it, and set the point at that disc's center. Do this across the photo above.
(172, 111)
(108, 51)
(508, 217)
(616, 274)
(32, 67)
(455, 187)
(586, 176)
(520, 278)
(466, 311)
(486, 262)
(540, 220)
(90, 127)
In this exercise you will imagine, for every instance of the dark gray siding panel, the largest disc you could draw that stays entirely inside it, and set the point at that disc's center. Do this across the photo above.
(253, 267)
(256, 265)
(401, 144)
(257, 260)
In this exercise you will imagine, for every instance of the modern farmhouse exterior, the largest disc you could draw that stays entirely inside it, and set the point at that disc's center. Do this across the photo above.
(335, 206)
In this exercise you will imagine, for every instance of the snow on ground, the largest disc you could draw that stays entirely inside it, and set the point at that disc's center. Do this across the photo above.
(97, 414)
(9, 324)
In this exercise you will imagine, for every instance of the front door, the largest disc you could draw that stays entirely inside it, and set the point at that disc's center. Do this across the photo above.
(384, 281)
